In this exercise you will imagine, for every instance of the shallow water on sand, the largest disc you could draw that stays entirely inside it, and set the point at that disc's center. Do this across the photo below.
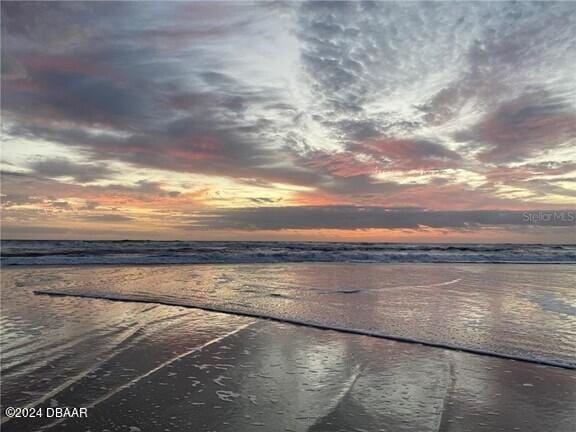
(522, 311)
(155, 367)
(50, 344)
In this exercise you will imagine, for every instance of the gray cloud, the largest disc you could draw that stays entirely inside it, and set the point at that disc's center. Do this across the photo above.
(361, 186)
(61, 205)
(15, 199)
(264, 200)
(13, 232)
(403, 154)
(60, 167)
(357, 218)
(530, 124)
(146, 188)
(212, 122)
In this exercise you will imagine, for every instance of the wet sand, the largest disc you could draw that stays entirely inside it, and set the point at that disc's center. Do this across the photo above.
(270, 376)
(140, 367)
(518, 311)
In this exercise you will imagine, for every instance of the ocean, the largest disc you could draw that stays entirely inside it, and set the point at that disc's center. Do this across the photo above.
(48, 252)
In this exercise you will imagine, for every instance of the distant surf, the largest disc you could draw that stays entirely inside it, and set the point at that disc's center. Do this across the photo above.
(48, 252)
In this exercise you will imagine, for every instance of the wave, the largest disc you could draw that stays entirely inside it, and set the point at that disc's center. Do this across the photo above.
(307, 323)
(19, 252)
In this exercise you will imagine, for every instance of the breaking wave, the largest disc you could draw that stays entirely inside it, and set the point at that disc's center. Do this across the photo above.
(23, 252)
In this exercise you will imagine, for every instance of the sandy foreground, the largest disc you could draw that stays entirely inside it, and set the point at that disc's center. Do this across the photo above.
(145, 367)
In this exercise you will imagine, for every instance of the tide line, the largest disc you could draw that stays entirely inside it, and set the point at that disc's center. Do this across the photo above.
(320, 326)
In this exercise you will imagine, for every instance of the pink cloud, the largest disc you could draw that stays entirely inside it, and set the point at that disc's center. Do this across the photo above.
(409, 154)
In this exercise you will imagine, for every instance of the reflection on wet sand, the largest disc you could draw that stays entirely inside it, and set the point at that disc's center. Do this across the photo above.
(518, 311)
(279, 377)
(146, 367)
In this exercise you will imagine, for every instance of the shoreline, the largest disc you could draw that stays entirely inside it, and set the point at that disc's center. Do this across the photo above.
(247, 263)
(317, 326)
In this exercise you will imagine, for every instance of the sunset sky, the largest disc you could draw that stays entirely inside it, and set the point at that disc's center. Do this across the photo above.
(387, 121)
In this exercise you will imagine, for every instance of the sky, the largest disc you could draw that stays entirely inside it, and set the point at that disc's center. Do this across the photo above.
(323, 121)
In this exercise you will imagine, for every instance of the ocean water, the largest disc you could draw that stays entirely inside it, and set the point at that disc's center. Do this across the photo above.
(16, 252)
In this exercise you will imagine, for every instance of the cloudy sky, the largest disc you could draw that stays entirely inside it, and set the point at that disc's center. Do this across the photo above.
(386, 121)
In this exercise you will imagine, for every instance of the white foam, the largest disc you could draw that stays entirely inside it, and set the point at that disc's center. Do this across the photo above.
(227, 396)
(139, 252)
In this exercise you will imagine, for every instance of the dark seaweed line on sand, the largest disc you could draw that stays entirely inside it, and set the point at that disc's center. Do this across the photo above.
(112, 297)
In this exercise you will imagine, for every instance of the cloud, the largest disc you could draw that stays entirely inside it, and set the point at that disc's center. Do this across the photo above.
(61, 205)
(16, 199)
(71, 90)
(104, 104)
(530, 124)
(360, 218)
(341, 164)
(147, 188)
(361, 186)
(403, 154)
(13, 232)
(264, 200)
(540, 178)
(30, 189)
(352, 103)
(80, 172)
(112, 218)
